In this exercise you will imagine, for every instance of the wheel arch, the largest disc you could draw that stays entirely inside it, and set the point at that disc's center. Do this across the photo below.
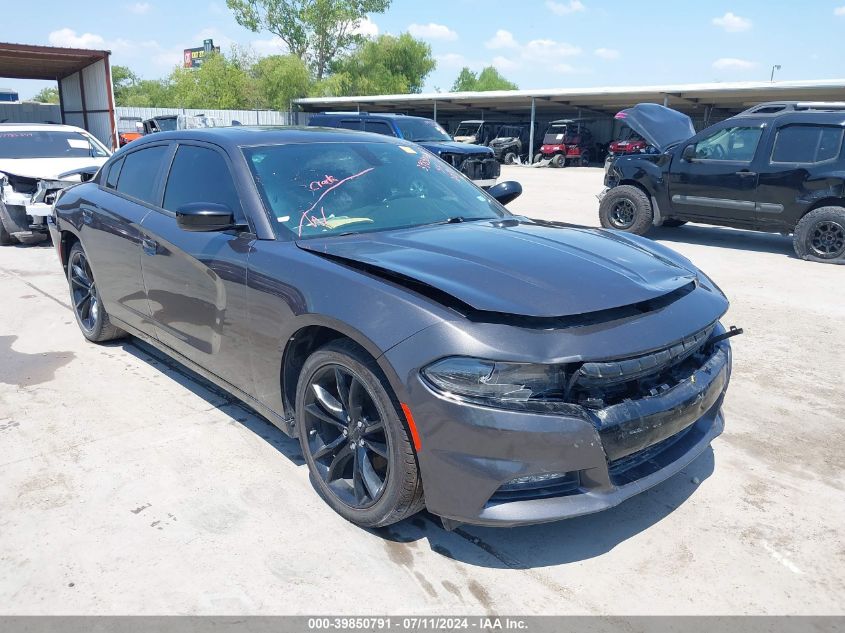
(829, 201)
(314, 332)
(66, 241)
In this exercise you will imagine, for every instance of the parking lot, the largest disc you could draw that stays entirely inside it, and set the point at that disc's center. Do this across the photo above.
(129, 486)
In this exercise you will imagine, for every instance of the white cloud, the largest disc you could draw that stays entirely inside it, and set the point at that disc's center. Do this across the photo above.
(271, 46)
(505, 63)
(840, 11)
(366, 27)
(565, 8)
(216, 8)
(210, 33)
(502, 39)
(548, 50)
(732, 23)
(451, 61)
(432, 31)
(564, 68)
(68, 37)
(732, 63)
(139, 8)
(607, 53)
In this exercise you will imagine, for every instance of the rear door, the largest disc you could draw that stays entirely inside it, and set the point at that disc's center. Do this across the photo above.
(111, 231)
(797, 161)
(378, 127)
(720, 181)
(195, 281)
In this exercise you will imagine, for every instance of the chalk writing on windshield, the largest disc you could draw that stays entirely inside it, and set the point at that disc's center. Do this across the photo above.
(330, 183)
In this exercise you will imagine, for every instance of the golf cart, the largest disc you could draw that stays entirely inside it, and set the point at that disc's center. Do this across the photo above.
(566, 142)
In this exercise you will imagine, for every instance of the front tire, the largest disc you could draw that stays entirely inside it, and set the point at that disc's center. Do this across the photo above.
(820, 236)
(538, 157)
(358, 450)
(510, 158)
(87, 307)
(559, 160)
(626, 208)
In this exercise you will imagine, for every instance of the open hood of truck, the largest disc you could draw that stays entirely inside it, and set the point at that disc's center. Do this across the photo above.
(660, 127)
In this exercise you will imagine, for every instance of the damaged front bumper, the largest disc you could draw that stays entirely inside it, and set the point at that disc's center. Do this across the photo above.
(587, 459)
(26, 203)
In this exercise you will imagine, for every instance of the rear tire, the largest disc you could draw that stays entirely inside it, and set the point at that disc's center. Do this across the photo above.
(820, 236)
(91, 316)
(343, 400)
(585, 159)
(6, 238)
(559, 160)
(671, 224)
(626, 208)
(510, 158)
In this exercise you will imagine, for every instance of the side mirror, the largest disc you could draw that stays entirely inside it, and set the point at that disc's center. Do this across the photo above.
(205, 216)
(689, 153)
(506, 192)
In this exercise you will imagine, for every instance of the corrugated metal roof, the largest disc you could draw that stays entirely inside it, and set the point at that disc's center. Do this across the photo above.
(729, 95)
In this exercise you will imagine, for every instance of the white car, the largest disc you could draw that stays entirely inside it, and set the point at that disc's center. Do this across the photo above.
(36, 161)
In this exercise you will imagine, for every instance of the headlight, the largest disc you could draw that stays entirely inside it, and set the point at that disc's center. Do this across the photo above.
(502, 384)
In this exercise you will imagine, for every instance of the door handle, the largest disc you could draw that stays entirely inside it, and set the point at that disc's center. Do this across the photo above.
(87, 214)
(150, 246)
(746, 174)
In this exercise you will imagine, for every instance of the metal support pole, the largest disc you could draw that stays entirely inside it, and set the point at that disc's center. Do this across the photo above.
(435, 110)
(531, 134)
(665, 101)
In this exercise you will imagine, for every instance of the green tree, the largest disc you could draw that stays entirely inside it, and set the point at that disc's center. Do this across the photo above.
(316, 31)
(147, 93)
(488, 79)
(123, 81)
(386, 65)
(280, 79)
(47, 95)
(221, 83)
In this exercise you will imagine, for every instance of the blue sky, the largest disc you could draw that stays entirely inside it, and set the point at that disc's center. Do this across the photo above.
(536, 43)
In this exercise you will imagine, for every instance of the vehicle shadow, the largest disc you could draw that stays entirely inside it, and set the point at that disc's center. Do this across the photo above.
(556, 543)
(723, 237)
(214, 396)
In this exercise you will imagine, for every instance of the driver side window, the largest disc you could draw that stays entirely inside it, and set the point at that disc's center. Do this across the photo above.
(731, 143)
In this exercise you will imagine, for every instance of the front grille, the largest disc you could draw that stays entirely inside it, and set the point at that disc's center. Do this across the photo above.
(597, 385)
(569, 484)
(653, 458)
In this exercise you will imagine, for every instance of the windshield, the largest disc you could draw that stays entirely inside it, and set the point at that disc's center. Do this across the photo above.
(419, 130)
(49, 144)
(167, 124)
(323, 189)
(468, 129)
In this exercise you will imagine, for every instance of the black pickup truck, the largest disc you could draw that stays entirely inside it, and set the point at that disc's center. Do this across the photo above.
(777, 167)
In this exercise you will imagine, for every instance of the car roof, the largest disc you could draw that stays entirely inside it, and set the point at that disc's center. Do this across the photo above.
(37, 127)
(784, 112)
(248, 135)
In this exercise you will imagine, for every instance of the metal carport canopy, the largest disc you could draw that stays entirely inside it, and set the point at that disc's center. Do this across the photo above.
(84, 77)
(689, 98)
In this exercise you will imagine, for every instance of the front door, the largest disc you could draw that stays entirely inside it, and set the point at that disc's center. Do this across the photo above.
(714, 177)
(196, 281)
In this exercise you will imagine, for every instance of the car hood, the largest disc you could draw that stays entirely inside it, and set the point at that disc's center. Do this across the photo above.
(660, 127)
(47, 168)
(518, 267)
(453, 147)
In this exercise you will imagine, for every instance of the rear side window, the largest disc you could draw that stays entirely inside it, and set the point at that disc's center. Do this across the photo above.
(138, 175)
(349, 124)
(379, 127)
(199, 174)
(114, 174)
(806, 144)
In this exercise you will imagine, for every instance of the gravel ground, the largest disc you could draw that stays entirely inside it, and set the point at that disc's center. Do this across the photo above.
(129, 486)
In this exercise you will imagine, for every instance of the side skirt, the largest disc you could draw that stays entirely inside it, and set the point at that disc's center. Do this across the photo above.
(286, 425)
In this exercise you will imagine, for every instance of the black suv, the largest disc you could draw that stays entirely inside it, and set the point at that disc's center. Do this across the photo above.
(777, 167)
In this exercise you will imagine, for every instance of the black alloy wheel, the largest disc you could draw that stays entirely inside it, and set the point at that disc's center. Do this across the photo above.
(622, 214)
(346, 436)
(85, 299)
(827, 240)
(356, 444)
(83, 291)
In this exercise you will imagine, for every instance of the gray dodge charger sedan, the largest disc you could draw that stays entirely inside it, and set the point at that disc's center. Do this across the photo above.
(427, 347)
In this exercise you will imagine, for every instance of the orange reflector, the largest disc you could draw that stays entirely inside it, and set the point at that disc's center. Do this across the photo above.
(412, 425)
